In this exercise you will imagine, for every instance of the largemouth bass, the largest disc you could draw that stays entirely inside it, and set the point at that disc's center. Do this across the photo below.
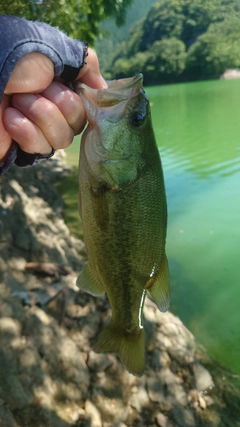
(124, 214)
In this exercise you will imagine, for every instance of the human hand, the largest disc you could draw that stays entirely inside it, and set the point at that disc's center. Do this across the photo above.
(40, 113)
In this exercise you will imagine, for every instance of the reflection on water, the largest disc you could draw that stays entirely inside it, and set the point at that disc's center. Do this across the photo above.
(198, 131)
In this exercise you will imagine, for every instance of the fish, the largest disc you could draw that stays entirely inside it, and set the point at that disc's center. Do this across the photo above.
(123, 207)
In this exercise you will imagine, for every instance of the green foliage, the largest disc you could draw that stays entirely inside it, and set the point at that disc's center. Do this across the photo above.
(163, 62)
(167, 60)
(181, 40)
(165, 19)
(78, 18)
(216, 50)
(111, 35)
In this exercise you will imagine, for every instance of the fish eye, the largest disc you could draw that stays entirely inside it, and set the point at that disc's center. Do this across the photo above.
(137, 118)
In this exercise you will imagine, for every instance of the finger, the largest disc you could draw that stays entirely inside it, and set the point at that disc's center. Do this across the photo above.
(25, 133)
(90, 73)
(5, 138)
(32, 73)
(69, 103)
(47, 117)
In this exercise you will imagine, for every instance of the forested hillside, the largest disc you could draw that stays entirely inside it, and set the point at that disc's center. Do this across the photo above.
(181, 40)
(112, 35)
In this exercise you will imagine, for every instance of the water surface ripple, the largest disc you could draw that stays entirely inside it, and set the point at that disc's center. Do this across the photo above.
(198, 132)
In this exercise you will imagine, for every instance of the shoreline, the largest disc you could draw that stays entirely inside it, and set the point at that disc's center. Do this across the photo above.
(49, 374)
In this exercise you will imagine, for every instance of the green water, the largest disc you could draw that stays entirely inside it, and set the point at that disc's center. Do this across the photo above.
(197, 126)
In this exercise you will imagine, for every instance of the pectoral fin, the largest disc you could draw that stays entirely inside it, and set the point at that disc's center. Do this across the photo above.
(159, 288)
(87, 282)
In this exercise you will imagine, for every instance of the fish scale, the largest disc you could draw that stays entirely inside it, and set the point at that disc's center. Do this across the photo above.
(124, 214)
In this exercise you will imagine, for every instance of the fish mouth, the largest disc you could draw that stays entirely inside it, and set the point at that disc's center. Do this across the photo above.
(126, 83)
(116, 92)
(125, 89)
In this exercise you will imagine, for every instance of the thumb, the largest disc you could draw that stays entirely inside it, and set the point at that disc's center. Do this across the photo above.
(33, 73)
(90, 73)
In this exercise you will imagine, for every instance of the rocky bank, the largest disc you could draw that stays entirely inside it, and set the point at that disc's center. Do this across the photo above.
(230, 74)
(49, 375)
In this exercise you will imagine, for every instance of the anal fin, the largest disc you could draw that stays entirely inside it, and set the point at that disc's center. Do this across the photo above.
(159, 287)
(87, 282)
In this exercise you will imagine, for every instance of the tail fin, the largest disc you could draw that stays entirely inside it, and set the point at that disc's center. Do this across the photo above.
(130, 347)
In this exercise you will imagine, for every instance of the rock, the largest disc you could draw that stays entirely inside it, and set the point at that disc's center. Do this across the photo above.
(48, 268)
(93, 413)
(161, 420)
(112, 409)
(184, 417)
(170, 329)
(114, 425)
(202, 377)
(98, 362)
(230, 74)
(139, 399)
(11, 389)
(179, 394)
(209, 400)
(163, 342)
(9, 327)
(155, 389)
(202, 402)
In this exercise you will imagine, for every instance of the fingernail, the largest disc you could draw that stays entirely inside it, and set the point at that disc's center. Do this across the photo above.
(13, 117)
(104, 83)
(23, 100)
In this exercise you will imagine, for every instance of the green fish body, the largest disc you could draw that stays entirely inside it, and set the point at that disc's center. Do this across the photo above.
(124, 214)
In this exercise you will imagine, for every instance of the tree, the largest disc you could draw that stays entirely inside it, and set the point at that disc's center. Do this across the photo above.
(215, 50)
(182, 40)
(198, 15)
(167, 61)
(164, 62)
(78, 18)
(165, 19)
(124, 67)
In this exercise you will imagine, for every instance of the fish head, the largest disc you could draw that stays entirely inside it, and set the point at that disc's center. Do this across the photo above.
(116, 139)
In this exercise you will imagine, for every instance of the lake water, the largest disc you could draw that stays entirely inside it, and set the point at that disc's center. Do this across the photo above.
(197, 126)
